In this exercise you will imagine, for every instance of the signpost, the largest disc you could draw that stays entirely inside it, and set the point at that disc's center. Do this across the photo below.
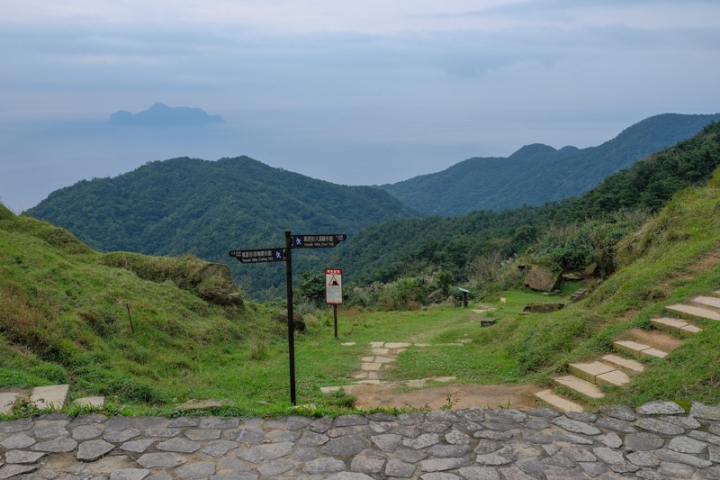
(323, 240)
(333, 291)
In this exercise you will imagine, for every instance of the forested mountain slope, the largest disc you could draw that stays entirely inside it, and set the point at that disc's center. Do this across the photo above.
(537, 173)
(397, 248)
(207, 208)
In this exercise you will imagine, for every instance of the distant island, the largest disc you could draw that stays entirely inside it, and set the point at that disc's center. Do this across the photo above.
(160, 115)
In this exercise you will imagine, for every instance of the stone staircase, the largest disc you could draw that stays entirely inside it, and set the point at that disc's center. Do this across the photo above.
(51, 397)
(587, 378)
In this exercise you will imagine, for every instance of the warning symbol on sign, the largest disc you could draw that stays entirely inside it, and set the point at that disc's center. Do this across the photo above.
(333, 291)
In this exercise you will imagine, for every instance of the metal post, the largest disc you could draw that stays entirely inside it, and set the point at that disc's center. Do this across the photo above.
(291, 323)
(335, 315)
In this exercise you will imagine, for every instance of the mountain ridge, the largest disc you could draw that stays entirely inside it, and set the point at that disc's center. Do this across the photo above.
(160, 115)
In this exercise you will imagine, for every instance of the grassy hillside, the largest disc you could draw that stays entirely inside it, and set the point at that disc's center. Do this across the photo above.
(209, 208)
(536, 174)
(409, 247)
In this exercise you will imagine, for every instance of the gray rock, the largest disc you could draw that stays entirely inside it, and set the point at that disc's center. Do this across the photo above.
(368, 461)
(387, 442)
(137, 446)
(349, 476)
(593, 468)
(409, 455)
(444, 416)
(538, 423)
(571, 438)
(161, 460)
(643, 459)
(195, 471)
(253, 436)
(233, 476)
(182, 422)
(503, 426)
(714, 454)
(408, 431)
(479, 473)
(558, 474)
(50, 431)
(423, 441)
(349, 445)
(473, 414)
(305, 454)
(267, 452)
(398, 468)
(675, 457)
(218, 423)
(615, 424)
(86, 432)
(704, 437)
(650, 475)
(433, 427)
(297, 423)
(178, 445)
(643, 442)
(624, 468)
(92, 450)
(218, 448)
(621, 412)
(551, 449)
(276, 423)
(162, 432)
(442, 464)
(582, 416)
(342, 431)
(119, 423)
(559, 460)
(15, 426)
(11, 470)
(439, 476)
(120, 436)
(676, 470)
(713, 428)
(379, 427)
(144, 423)
(492, 459)
(411, 418)
(487, 446)
(660, 408)
(514, 473)
(275, 468)
(381, 417)
(687, 423)
(575, 426)
(56, 445)
(534, 436)
(21, 456)
(19, 440)
(350, 420)
(233, 464)
(548, 413)
(578, 453)
(609, 456)
(130, 474)
(446, 451)
(161, 475)
(200, 434)
(706, 412)
(321, 466)
(655, 425)
(321, 425)
(456, 437)
(687, 445)
(492, 435)
(611, 440)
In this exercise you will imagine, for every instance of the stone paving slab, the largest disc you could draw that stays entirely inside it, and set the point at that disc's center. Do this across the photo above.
(656, 441)
(6, 402)
(713, 302)
(693, 311)
(589, 371)
(50, 397)
(624, 363)
(579, 385)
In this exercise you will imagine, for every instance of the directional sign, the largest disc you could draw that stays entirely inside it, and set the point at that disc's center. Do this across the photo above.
(260, 255)
(333, 286)
(328, 240)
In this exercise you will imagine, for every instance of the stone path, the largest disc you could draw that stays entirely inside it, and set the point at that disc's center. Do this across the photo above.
(656, 441)
(53, 396)
(586, 378)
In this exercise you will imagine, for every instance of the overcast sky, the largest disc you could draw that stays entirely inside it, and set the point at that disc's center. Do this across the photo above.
(355, 92)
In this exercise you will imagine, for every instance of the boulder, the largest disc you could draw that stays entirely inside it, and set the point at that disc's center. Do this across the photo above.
(214, 284)
(542, 279)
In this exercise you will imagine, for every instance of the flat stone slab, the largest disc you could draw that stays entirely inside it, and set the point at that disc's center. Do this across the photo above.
(93, 449)
(21, 456)
(161, 460)
(558, 402)
(624, 362)
(615, 377)
(95, 402)
(6, 402)
(713, 302)
(675, 325)
(589, 371)
(653, 352)
(10, 470)
(693, 311)
(50, 397)
(581, 386)
(130, 474)
(632, 348)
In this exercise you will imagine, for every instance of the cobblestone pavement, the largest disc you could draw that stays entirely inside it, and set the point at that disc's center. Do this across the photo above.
(657, 440)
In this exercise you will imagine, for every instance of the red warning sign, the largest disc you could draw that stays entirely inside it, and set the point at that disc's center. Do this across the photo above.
(333, 286)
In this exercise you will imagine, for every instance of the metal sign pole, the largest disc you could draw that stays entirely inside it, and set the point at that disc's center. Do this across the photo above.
(291, 323)
(335, 315)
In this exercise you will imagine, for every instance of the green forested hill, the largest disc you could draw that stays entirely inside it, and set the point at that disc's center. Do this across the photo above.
(396, 248)
(207, 208)
(537, 173)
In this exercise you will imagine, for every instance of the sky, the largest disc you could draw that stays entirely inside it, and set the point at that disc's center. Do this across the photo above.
(354, 92)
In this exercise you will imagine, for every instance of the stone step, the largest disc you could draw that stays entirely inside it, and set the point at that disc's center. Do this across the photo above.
(675, 325)
(694, 312)
(96, 402)
(712, 302)
(581, 386)
(616, 377)
(589, 371)
(53, 396)
(6, 402)
(558, 402)
(624, 363)
(638, 350)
